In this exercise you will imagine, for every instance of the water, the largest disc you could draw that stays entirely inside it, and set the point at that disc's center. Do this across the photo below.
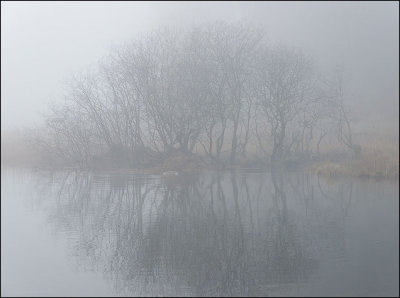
(218, 234)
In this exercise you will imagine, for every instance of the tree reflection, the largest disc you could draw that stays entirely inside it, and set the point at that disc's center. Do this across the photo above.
(214, 234)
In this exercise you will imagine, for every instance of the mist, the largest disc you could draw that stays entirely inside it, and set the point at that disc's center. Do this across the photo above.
(44, 43)
(200, 149)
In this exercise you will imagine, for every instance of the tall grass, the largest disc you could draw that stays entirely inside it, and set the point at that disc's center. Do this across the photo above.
(379, 159)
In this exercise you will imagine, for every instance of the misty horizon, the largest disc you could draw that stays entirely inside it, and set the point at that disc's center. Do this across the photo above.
(361, 37)
(200, 149)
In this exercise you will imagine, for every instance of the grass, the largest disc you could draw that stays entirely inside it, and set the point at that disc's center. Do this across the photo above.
(379, 159)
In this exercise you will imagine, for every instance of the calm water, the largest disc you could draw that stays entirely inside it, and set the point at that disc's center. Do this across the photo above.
(229, 234)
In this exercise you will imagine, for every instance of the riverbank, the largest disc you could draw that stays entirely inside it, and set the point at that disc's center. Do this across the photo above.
(379, 159)
(372, 163)
(365, 166)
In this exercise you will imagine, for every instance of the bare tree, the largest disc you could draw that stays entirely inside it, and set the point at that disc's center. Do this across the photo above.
(237, 47)
(212, 86)
(337, 102)
(283, 77)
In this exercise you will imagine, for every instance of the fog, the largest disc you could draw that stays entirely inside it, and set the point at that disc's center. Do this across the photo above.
(42, 44)
(199, 148)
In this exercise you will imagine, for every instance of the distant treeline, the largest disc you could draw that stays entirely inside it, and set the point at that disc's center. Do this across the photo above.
(212, 89)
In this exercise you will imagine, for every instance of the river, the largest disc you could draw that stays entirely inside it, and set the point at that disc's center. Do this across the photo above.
(216, 233)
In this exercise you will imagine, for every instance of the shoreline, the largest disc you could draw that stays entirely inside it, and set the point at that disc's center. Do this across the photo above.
(326, 168)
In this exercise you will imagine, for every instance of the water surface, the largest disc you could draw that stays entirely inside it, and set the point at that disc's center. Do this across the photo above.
(218, 234)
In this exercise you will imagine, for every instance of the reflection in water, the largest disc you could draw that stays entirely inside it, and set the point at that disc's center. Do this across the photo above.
(214, 234)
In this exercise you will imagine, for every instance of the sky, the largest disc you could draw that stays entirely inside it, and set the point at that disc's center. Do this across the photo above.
(44, 43)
